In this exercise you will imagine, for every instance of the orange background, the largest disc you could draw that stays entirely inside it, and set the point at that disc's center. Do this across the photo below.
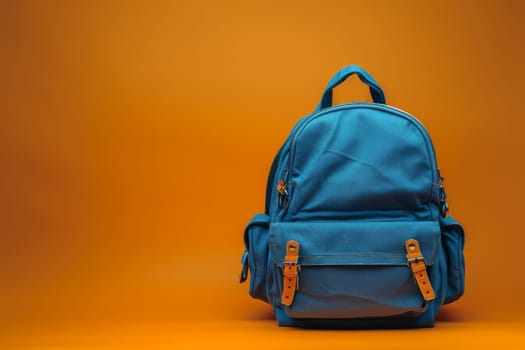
(136, 139)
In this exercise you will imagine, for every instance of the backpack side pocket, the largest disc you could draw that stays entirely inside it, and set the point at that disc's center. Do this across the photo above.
(453, 240)
(256, 242)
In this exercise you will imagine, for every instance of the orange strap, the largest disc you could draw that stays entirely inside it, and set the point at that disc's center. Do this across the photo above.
(419, 269)
(290, 272)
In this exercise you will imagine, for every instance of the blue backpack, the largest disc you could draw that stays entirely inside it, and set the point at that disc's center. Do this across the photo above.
(355, 232)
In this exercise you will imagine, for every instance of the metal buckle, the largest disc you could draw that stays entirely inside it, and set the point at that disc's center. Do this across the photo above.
(418, 259)
(290, 263)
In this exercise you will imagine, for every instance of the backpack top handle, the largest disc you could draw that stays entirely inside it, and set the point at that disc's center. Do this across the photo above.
(378, 96)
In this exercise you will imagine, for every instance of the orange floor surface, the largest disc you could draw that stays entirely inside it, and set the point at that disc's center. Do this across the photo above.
(263, 334)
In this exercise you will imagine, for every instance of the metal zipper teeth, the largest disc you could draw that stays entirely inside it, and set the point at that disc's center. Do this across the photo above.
(377, 106)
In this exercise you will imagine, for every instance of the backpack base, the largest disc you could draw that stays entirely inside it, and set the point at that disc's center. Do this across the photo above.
(424, 320)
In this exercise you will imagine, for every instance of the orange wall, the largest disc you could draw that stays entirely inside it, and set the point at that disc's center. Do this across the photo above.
(136, 138)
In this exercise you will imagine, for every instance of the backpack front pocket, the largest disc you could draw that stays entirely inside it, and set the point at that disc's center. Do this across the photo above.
(355, 269)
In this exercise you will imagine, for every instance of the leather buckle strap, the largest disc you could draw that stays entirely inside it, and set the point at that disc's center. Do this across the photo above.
(416, 261)
(290, 272)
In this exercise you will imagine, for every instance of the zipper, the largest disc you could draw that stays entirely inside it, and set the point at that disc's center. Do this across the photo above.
(377, 106)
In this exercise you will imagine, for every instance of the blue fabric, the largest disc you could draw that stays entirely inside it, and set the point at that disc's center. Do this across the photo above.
(453, 241)
(361, 179)
(256, 242)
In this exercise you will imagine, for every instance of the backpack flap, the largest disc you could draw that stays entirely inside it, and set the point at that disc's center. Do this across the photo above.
(355, 269)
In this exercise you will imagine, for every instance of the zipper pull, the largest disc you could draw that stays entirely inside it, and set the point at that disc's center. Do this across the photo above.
(283, 193)
(442, 196)
(281, 188)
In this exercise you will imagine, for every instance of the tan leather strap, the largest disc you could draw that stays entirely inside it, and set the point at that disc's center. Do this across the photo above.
(290, 272)
(419, 269)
